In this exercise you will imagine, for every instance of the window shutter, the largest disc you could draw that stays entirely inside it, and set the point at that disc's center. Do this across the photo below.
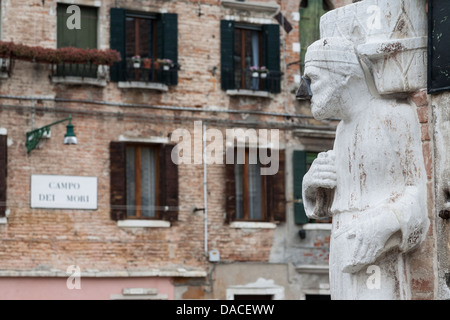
(117, 42)
(86, 37)
(168, 189)
(118, 180)
(230, 193)
(276, 191)
(299, 167)
(3, 173)
(271, 47)
(169, 42)
(227, 54)
(309, 25)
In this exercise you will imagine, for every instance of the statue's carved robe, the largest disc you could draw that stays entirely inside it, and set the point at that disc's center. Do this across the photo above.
(381, 187)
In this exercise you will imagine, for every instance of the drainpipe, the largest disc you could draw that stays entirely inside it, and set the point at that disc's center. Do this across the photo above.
(205, 190)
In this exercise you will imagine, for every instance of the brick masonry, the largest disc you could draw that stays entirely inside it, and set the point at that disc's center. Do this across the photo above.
(43, 240)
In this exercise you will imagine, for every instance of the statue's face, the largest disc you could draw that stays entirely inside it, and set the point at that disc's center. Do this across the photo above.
(326, 87)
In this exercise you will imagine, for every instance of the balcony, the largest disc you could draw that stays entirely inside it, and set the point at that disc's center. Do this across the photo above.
(148, 74)
(80, 74)
(251, 83)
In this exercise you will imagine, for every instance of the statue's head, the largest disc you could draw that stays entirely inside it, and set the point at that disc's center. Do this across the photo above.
(330, 66)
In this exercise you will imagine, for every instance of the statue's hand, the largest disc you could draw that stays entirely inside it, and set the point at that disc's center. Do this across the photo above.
(318, 185)
(368, 240)
(323, 172)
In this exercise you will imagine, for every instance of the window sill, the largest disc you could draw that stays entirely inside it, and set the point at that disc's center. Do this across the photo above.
(143, 85)
(252, 225)
(314, 269)
(3, 221)
(249, 93)
(317, 226)
(79, 81)
(143, 224)
(269, 8)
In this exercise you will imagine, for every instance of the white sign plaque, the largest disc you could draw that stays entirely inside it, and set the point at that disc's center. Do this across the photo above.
(63, 192)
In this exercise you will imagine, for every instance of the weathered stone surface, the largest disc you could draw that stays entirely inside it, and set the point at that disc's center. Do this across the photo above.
(374, 181)
(391, 38)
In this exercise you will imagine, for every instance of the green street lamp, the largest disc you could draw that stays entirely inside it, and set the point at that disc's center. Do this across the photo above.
(35, 136)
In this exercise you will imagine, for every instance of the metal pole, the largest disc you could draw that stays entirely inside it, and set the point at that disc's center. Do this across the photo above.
(205, 189)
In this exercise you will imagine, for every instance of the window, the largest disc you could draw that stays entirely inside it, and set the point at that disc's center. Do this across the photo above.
(302, 163)
(148, 44)
(259, 290)
(309, 25)
(141, 41)
(250, 57)
(84, 38)
(3, 173)
(247, 55)
(142, 179)
(250, 191)
(251, 196)
(144, 182)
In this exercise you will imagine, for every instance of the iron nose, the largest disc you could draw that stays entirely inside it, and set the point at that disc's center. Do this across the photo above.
(304, 92)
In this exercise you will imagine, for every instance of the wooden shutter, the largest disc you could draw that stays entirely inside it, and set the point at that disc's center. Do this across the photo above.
(3, 173)
(271, 49)
(276, 191)
(118, 180)
(300, 168)
(169, 45)
(227, 54)
(168, 184)
(309, 25)
(117, 42)
(86, 37)
(230, 193)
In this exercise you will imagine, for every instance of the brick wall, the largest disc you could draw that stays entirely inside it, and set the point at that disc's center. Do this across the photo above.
(41, 239)
(422, 264)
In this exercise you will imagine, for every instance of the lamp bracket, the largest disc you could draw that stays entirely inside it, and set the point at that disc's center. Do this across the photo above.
(35, 136)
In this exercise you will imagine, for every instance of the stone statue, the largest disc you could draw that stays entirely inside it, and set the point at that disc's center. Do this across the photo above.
(373, 184)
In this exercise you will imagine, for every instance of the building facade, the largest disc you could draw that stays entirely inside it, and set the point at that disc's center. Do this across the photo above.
(139, 218)
(113, 216)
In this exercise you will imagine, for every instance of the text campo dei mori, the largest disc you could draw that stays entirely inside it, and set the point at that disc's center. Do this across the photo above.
(242, 309)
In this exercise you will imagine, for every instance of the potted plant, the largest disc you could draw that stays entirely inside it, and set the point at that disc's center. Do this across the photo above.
(147, 62)
(255, 71)
(166, 64)
(263, 72)
(136, 61)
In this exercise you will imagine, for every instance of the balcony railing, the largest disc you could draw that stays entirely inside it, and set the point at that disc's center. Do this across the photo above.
(252, 80)
(150, 72)
(86, 70)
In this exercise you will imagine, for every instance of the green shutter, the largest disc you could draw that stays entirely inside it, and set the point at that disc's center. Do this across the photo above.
(309, 25)
(271, 47)
(117, 42)
(227, 54)
(86, 37)
(168, 44)
(300, 168)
